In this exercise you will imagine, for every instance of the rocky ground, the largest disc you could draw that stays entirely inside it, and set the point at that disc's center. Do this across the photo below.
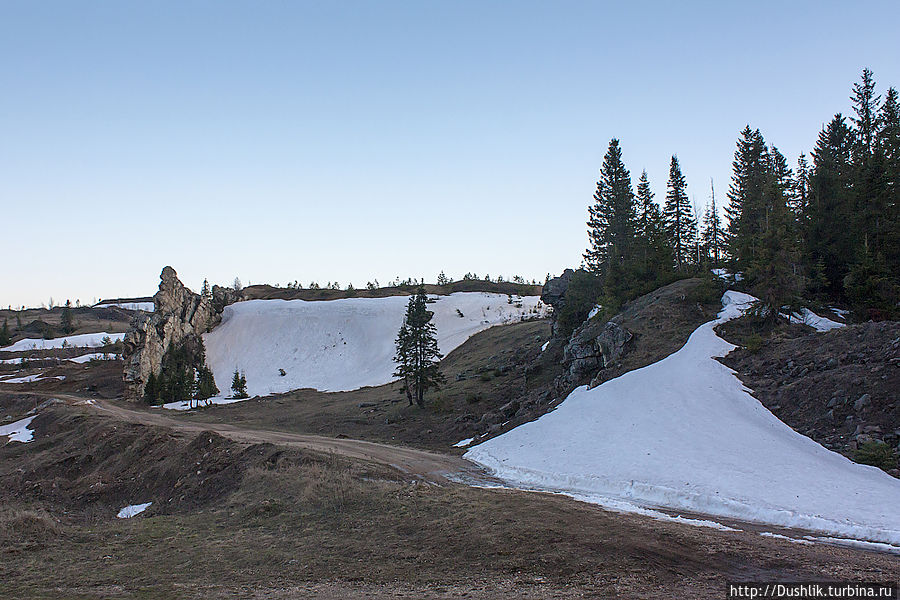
(841, 388)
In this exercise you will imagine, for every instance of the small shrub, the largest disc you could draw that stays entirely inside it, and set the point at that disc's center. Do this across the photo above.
(708, 291)
(282, 372)
(878, 454)
(484, 377)
(753, 343)
(441, 404)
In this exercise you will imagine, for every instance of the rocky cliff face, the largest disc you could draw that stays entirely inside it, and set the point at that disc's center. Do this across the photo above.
(179, 314)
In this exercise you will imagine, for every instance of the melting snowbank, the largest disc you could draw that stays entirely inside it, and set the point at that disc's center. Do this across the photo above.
(84, 340)
(683, 433)
(132, 510)
(18, 431)
(808, 317)
(340, 345)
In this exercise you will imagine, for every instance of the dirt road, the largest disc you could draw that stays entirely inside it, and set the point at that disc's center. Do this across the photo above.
(431, 466)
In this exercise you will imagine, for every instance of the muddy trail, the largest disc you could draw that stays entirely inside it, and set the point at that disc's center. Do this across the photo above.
(430, 466)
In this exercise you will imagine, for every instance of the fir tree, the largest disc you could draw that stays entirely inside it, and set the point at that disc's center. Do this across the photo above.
(612, 216)
(712, 235)
(650, 231)
(205, 292)
(65, 318)
(888, 147)
(829, 241)
(417, 353)
(442, 279)
(865, 105)
(681, 227)
(238, 385)
(5, 338)
(746, 206)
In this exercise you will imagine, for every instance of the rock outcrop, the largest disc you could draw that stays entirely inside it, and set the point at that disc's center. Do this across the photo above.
(179, 314)
(555, 289)
(594, 346)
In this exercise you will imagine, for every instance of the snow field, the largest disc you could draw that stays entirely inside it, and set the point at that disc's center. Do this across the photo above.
(684, 434)
(84, 340)
(340, 345)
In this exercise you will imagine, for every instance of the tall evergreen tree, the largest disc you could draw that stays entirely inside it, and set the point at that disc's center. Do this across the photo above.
(612, 216)
(655, 255)
(713, 235)
(888, 141)
(865, 105)
(681, 226)
(65, 318)
(417, 353)
(829, 241)
(746, 207)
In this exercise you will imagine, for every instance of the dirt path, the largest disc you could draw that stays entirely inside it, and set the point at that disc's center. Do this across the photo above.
(427, 465)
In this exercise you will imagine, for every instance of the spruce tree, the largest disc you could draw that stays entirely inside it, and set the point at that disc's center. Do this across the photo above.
(829, 241)
(417, 352)
(681, 227)
(713, 235)
(650, 231)
(612, 216)
(65, 318)
(865, 105)
(5, 338)
(888, 142)
(746, 206)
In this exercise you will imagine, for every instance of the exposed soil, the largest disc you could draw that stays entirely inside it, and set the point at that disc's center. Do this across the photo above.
(101, 378)
(232, 519)
(839, 387)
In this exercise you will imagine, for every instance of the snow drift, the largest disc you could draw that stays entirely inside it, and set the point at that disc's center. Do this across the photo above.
(83, 340)
(339, 345)
(684, 434)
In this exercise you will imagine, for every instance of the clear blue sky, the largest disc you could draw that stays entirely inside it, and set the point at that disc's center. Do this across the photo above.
(312, 140)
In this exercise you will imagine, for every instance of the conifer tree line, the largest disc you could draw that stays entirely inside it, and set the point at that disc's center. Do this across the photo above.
(828, 230)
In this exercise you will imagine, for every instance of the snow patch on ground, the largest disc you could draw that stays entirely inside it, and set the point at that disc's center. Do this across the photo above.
(144, 306)
(544, 346)
(84, 340)
(684, 434)
(132, 510)
(93, 356)
(727, 275)
(597, 308)
(778, 536)
(463, 443)
(18, 431)
(840, 312)
(32, 378)
(340, 345)
(808, 317)
(878, 546)
(216, 400)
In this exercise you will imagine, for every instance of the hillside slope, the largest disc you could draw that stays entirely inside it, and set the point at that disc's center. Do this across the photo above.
(684, 433)
(340, 345)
